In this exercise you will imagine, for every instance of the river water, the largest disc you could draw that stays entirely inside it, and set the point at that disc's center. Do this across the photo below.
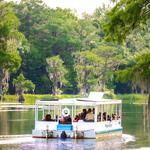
(20, 122)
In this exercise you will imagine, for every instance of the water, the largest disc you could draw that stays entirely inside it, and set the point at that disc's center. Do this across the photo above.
(136, 133)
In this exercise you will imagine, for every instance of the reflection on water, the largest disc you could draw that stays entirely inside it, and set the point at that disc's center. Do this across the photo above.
(58, 144)
(136, 122)
(16, 122)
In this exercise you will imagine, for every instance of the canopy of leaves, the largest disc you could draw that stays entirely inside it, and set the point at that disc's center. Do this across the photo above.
(124, 17)
(86, 66)
(10, 38)
(138, 72)
(22, 85)
(56, 72)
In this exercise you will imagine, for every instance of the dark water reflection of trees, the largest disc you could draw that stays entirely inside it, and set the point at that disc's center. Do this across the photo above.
(136, 121)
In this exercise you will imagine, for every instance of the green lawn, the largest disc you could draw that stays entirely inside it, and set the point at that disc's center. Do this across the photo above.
(31, 98)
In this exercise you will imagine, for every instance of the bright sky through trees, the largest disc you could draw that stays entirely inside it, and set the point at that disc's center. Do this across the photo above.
(79, 6)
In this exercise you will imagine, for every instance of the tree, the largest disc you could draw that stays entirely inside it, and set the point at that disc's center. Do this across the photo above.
(111, 57)
(138, 72)
(86, 66)
(50, 32)
(139, 39)
(125, 16)
(56, 73)
(22, 85)
(10, 40)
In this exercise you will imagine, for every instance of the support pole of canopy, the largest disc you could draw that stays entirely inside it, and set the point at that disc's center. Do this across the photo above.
(43, 112)
(120, 112)
(106, 111)
(54, 107)
(72, 114)
(36, 112)
(101, 112)
(116, 113)
(95, 115)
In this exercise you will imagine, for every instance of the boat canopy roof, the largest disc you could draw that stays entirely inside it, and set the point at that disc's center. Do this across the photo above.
(94, 98)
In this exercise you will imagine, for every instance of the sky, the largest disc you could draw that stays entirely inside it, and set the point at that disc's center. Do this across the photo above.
(80, 6)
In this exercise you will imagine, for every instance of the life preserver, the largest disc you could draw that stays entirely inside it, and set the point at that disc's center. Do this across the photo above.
(65, 112)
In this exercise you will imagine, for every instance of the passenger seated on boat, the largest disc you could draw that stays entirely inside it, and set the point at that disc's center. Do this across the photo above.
(104, 116)
(93, 110)
(68, 119)
(99, 117)
(108, 118)
(47, 118)
(77, 118)
(83, 114)
(65, 120)
(61, 120)
(114, 117)
(89, 115)
(118, 117)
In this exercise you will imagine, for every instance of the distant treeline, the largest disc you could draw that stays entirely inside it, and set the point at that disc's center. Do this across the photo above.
(61, 53)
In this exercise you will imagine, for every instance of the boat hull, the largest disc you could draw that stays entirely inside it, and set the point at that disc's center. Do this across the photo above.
(109, 134)
(90, 134)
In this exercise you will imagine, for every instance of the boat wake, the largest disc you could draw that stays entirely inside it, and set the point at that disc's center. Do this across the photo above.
(16, 140)
(128, 138)
(28, 138)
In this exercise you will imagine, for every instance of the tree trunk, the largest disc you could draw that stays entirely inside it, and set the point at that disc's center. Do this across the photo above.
(1, 77)
(54, 90)
(20, 96)
(1, 91)
(149, 101)
(83, 90)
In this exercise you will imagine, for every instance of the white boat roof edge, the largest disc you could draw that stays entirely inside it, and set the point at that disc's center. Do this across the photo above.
(77, 102)
(94, 98)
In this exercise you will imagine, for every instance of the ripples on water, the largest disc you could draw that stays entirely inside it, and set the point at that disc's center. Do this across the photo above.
(28, 143)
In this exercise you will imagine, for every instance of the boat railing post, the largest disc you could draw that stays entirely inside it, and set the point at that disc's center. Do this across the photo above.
(54, 112)
(95, 113)
(120, 112)
(106, 111)
(72, 114)
(101, 113)
(36, 112)
(43, 112)
(116, 113)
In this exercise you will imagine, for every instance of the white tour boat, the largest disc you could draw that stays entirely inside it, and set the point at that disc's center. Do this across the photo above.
(92, 117)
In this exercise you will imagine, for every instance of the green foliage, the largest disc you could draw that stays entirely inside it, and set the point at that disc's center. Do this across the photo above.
(31, 98)
(58, 32)
(132, 98)
(139, 39)
(10, 40)
(50, 32)
(124, 17)
(138, 72)
(22, 85)
(56, 73)
(110, 58)
(86, 64)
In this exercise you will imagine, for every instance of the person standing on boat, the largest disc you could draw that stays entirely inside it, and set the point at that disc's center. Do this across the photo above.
(89, 115)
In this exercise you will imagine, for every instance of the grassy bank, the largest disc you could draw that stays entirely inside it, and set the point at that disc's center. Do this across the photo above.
(31, 98)
(132, 98)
